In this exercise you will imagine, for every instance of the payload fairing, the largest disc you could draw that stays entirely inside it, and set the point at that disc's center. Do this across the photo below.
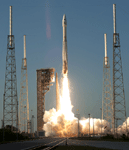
(64, 49)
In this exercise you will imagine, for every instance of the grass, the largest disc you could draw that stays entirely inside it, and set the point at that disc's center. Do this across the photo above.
(4, 142)
(74, 148)
(108, 137)
(10, 137)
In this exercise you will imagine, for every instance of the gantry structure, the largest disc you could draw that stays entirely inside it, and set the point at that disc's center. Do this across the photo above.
(24, 123)
(44, 79)
(107, 102)
(119, 107)
(10, 99)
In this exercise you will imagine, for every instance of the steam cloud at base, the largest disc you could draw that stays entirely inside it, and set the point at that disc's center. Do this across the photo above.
(58, 125)
(122, 128)
(63, 123)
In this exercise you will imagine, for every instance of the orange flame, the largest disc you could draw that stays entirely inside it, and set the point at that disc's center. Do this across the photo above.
(62, 123)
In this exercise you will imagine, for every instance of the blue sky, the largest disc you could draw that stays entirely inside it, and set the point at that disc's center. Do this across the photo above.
(87, 21)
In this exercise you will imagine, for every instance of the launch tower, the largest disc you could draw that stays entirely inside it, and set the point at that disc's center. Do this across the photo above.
(119, 109)
(44, 79)
(24, 123)
(107, 93)
(10, 99)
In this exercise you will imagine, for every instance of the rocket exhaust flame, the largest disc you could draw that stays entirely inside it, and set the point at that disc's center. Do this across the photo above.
(62, 122)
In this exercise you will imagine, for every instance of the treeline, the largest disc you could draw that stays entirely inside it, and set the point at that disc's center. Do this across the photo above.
(122, 137)
(108, 137)
(11, 136)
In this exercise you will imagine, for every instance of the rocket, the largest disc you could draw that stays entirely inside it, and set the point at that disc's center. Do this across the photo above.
(64, 49)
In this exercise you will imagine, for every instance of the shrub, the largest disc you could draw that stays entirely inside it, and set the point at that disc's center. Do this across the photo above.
(108, 136)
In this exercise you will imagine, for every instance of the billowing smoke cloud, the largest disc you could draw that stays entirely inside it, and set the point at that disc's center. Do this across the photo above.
(63, 123)
(58, 125)
(122, 128)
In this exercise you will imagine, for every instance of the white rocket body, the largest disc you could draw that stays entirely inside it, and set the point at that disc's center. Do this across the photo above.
(64, 50)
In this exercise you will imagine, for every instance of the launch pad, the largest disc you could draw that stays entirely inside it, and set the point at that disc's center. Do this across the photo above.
(44, 79)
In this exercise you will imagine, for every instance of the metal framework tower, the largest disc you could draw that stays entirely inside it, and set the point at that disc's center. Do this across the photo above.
(10, 99)
(24, 122)
(119, 108)
(44, 79)
(107, 93)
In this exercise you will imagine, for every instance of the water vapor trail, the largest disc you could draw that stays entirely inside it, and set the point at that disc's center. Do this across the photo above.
(48, 24)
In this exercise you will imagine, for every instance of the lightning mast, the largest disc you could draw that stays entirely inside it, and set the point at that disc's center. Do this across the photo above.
(119, 108)
(23, 101)
(107, 93)
(10, 99)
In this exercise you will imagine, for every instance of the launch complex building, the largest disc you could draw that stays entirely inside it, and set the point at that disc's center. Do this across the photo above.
(45, 78)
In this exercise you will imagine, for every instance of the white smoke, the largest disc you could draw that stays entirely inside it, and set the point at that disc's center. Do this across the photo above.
(63, 123)
(56, 124)
(122, 128)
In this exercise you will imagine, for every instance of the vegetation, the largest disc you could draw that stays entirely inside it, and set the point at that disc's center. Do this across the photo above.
(11, 136)
(122, 137)
(108, 137)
